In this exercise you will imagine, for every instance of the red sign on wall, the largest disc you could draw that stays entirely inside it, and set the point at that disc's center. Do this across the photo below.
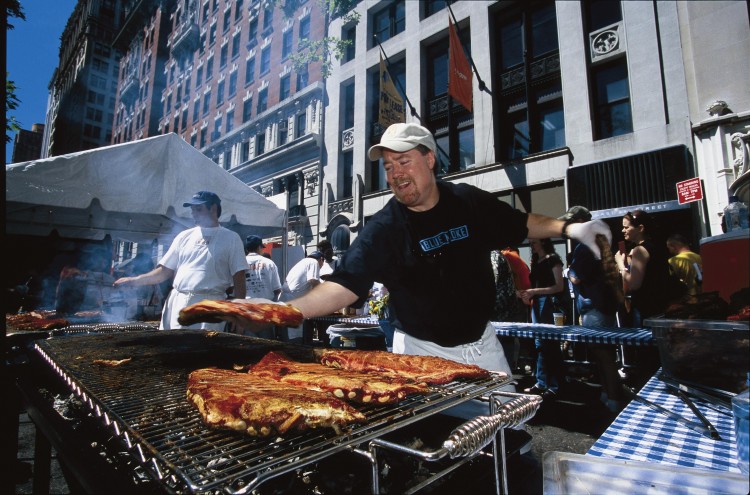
(689, 190)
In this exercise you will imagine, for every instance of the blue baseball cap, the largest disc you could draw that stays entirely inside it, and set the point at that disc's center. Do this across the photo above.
(203, 198)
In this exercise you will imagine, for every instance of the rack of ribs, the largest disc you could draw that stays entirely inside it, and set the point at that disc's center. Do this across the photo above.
(421, 369)
(261, 407)
(352, 386)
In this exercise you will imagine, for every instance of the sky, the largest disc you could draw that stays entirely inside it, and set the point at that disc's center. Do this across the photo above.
(32, 55)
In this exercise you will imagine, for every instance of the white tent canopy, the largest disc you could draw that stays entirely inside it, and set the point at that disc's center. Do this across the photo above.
(131, 192)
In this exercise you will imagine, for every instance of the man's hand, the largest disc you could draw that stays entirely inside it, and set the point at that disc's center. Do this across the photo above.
(586, 233)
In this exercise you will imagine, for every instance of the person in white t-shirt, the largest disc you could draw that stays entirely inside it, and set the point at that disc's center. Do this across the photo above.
(330, 262)
(205, 262)
(299, 281)
(261, 278)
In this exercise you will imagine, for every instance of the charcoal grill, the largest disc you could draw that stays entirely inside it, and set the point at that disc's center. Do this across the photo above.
(143, 404)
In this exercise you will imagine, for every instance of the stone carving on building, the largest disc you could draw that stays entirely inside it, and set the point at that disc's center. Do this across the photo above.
(741, 148)
(716, 107)
(311, 181)
(605, 42)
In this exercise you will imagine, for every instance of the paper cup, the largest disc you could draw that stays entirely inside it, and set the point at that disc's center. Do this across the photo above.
(559, 319)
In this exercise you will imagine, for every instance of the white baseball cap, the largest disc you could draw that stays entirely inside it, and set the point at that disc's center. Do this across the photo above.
(402, 137)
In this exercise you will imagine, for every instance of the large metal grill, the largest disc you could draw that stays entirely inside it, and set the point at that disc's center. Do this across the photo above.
(143, 403)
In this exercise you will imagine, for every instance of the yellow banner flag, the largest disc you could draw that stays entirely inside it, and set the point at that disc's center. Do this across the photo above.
(392, 108)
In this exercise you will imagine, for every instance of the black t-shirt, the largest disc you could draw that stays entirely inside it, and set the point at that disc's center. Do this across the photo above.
(653, 295)
(435, 264)
(592, 292)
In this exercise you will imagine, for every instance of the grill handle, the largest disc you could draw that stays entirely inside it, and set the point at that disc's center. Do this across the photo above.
(474, 435)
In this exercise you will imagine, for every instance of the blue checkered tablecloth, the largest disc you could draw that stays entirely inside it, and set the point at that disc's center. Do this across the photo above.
(641, 433)
(577, 333)
(367, 319)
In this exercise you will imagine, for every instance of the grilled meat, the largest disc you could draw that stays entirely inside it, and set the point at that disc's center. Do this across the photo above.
(427, 369)
(261, 407)
(349, 385)
(216, 311)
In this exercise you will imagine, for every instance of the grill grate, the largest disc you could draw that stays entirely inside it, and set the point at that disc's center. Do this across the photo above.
(144, 403)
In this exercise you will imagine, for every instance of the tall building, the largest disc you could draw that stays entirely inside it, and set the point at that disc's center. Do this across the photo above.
(83, 87)
(219, 73)
(599, 103)
(27, 145)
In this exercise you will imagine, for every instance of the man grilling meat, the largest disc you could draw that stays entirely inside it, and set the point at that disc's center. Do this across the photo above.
(430, 245)
(205, 262)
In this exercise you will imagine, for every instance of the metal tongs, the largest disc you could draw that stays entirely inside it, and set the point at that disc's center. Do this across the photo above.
(705, 427)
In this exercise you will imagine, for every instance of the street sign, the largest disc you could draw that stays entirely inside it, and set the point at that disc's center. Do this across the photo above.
(689, 190)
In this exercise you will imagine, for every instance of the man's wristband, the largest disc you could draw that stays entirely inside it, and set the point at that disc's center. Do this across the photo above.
(565, 226)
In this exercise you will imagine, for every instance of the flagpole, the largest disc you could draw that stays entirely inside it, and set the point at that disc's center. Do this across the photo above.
(480, 82)
(406, 96)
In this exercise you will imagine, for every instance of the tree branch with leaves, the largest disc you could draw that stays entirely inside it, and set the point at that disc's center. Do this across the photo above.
(12, 9)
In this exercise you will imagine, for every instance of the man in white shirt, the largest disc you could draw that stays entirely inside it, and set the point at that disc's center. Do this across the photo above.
(261, 278)
(204, 262)
(330, 262)
(300, 280)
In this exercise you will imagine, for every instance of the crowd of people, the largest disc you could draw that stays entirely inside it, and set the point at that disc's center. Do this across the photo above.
(435, 246)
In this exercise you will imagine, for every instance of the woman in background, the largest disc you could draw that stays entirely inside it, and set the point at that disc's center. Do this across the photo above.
(645, 277)
(547, 289)
(645, 269)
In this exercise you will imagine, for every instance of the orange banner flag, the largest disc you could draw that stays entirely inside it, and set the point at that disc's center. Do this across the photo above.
(459, 70)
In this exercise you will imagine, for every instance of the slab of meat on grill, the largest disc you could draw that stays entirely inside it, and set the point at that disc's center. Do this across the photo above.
(427, 369)
(353, 386)
(216, 311)
(258, 406)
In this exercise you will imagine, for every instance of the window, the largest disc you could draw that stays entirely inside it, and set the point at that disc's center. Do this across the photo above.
(304, 29)
(184, 119)
(260, 144)
(206, 102)
(286, 45)
(227, 18)
(347, 171)
(169, 103)
(283, 135)
(220, 93)
(348, 109)
(302, 78)
(196, 110)
(300, 125)
(209, 68)
(262, 100)
(244, 151)
(193, 140)
(224, 57)
(602, 13)
(612, 100)
(435, 6)
(230, 121)
(237, 9)
(252, 31)
(388, 22)
(203, 137)
(198, 77)
(250, 71)
(212, 34)
(285, 86)
(267, 18)
(217, 129)
(265, 60)
(233, 83)
(349, 34)
(530, 96)
(235, 46)
(247, 109)
(204, 16)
